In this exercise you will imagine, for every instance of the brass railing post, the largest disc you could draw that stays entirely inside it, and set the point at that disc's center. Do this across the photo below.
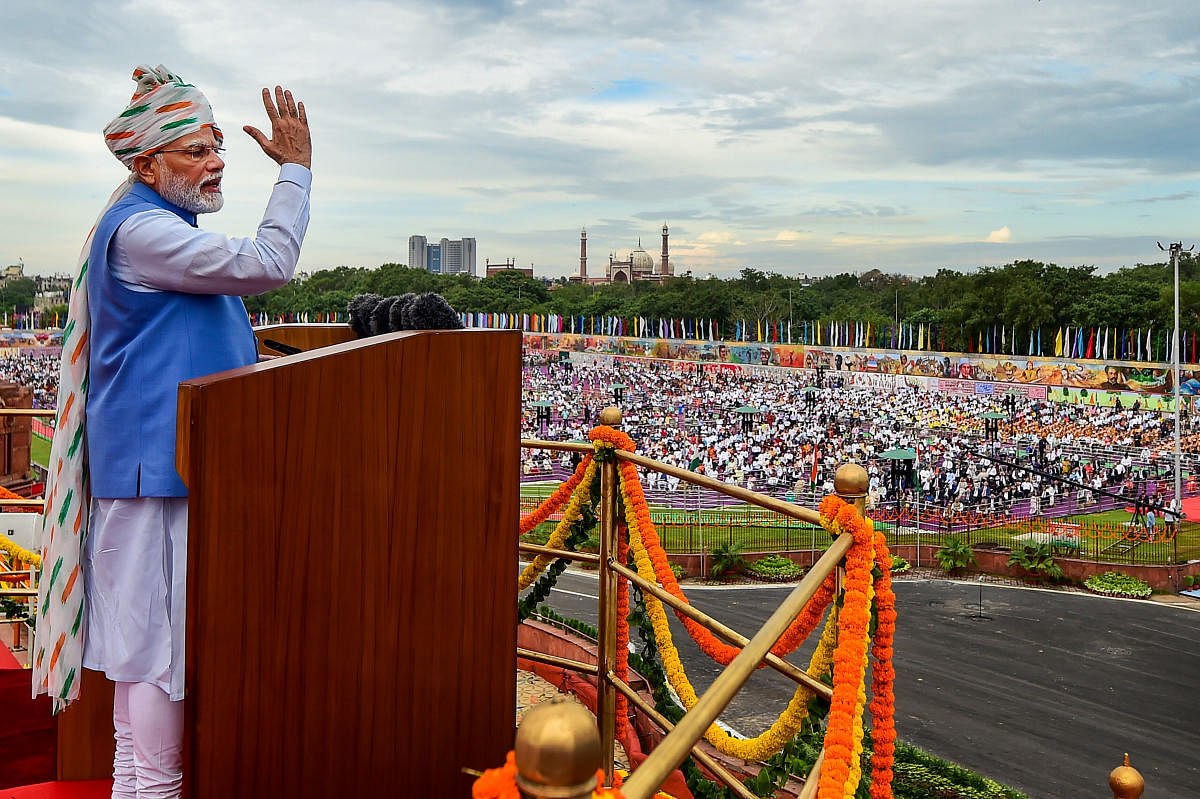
(606, 656)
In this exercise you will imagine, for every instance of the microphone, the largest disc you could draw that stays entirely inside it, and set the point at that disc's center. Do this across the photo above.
(286, 349)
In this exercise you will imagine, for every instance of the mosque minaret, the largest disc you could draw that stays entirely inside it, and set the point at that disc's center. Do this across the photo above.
(627, 266)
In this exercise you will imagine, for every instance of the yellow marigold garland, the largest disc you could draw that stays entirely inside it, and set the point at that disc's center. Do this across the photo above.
(583, 488)
(20, 553)
(555, 500)
(789, 722)
(721, 652)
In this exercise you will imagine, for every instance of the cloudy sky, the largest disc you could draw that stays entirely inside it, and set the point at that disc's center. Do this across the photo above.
(810, 136)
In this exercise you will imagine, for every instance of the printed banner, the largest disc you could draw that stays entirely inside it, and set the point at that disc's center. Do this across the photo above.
(957, 374)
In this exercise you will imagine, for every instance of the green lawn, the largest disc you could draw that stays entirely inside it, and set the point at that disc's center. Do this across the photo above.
(756, 530)
(1111, 516)
(39, 451)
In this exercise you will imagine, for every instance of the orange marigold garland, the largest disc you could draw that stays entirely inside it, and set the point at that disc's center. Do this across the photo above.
(883, 701)
(555, 501)
(501, 783)
(721, 652)
(498, 783)
(844, 728)
(622, 668)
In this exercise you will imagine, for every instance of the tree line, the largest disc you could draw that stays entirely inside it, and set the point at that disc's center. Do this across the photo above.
(1025, 294)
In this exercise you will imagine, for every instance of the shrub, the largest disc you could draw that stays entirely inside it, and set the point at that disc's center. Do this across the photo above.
(955, 556)
(774, 569)
(727, 560)
(900, 565)
(1189, 581)
(678, 571)
(11, 608)
(1117, 584)
(1037, 562)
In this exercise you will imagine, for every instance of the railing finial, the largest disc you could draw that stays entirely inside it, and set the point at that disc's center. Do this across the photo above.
(1126, 781)
(557, 751)
(611, 416)
(851, 482)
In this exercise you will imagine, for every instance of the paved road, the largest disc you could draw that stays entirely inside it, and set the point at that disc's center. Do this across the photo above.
(1040, 690)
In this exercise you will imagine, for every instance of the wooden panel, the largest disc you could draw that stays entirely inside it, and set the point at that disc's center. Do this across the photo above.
(305, 337)
(85, 731)
(352, 535)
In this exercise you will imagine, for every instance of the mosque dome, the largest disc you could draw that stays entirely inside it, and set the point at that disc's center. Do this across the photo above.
(640, 259)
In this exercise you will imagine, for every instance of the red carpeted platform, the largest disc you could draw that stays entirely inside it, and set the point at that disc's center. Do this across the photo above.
(84, 789)
(1191, 509)
(27, 735)
(8, 661)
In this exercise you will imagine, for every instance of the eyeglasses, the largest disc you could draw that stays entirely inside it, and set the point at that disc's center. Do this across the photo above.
(197, 153)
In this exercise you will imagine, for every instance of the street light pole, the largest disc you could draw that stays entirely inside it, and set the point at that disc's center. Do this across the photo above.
(1176, 248)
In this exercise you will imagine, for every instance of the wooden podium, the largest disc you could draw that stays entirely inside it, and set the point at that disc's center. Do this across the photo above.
(351, 619)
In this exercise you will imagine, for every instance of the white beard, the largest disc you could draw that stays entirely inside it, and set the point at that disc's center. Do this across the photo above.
(174, 188)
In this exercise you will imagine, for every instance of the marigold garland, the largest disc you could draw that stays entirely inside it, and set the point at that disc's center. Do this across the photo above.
(883, 700)
(792, 718)
(860, 702)
(721, 652)
(20, 553)
(555, 501)
(843, 735)
(582, 490)
(622, 667)
(501, 783)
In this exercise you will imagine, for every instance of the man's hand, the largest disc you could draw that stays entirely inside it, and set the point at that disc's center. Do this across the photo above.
(289, 142)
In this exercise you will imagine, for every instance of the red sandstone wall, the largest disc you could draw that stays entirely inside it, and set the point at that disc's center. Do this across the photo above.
(1161, 578)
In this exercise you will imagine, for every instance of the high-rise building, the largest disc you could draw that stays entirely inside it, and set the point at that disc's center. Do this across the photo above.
(448, 256)
(417, 252)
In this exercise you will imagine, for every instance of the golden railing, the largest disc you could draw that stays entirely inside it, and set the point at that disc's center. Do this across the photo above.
(682, 739)
(29, 592)
(32, 412)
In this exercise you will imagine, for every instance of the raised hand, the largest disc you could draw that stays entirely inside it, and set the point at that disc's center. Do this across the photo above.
(290, 142)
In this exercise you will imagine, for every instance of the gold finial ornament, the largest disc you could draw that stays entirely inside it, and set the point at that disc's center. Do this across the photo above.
(611, 416)
(851, 483)
(557, 751)
(1126, 781)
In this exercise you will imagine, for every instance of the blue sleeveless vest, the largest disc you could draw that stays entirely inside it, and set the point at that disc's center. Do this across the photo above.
(143, 344)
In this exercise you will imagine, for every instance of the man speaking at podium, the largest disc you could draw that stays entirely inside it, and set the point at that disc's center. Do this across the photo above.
(156, 302)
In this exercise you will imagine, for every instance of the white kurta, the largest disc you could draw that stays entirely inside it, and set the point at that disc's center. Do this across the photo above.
(134, 572)
(135, 557)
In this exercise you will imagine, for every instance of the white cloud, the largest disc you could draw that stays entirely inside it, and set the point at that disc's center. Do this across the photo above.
(1001, 236)
(501, 119)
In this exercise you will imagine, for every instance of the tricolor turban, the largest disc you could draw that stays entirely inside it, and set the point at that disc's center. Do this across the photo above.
(162, 109)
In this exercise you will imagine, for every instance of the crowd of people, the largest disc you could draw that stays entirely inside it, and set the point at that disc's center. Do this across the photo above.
(687, 415)
(37, 372)
(788, 431)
